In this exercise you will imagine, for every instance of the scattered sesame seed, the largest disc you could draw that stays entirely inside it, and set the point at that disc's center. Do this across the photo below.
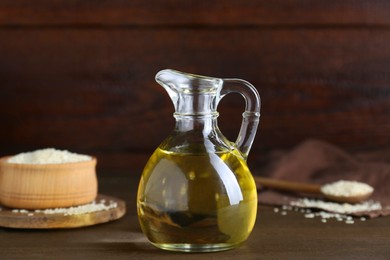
(344, 208)
(310, 215)
(304, 206)
(337, 211)
(77, 210)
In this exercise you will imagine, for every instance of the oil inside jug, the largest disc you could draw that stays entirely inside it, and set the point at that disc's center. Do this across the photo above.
(200, 201)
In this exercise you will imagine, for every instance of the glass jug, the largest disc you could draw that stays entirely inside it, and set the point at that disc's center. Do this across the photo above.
(196, 193)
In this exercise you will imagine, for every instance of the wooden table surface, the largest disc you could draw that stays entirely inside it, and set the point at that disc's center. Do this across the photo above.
(275, 236)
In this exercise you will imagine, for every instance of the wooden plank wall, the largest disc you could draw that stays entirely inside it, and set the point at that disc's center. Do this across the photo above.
(79, 75)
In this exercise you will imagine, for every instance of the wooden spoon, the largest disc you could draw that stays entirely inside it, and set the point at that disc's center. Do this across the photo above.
(309, 188)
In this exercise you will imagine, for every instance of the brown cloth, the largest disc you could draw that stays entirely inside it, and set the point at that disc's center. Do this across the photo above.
(315, 161)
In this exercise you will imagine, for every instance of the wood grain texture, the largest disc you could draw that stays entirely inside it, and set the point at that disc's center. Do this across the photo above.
(275, 236)
(40, 186)
(80, 76)
(42, 220)
(195, 13)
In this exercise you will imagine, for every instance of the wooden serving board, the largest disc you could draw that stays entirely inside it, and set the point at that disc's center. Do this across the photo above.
(39, 220)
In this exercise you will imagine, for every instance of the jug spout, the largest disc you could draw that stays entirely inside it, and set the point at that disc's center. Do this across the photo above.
(190, 94)
(182, 82)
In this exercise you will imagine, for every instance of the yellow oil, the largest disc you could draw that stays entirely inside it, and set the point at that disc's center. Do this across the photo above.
(197, 202)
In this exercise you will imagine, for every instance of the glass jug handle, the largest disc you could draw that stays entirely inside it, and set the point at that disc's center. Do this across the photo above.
(251, 116)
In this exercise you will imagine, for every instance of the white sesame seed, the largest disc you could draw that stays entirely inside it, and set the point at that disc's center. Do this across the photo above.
(76, 210)
(48, 155)
(347, 188)
(330, 210)
(344, 208)
(310, 215)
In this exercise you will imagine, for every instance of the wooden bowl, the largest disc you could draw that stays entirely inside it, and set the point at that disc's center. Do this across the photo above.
(41, 186)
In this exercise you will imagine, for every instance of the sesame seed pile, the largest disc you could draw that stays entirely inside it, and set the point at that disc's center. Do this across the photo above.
(341, 208)
(48, 156)
(347, 188)
(325, 211)
(76, 210)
